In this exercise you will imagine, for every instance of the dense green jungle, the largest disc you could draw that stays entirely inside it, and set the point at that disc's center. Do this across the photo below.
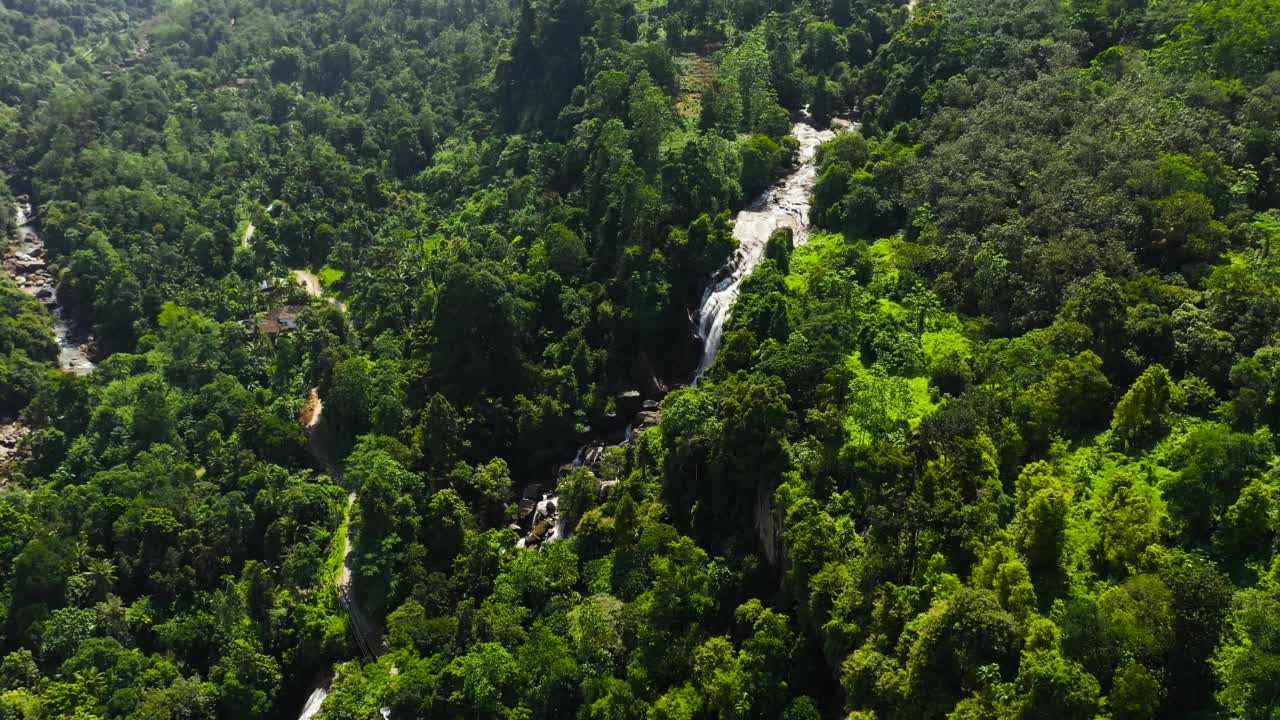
(639, 359)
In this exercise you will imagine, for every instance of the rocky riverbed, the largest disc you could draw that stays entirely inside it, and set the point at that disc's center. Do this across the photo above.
(538, 519)
(26, 261)
(11, 434)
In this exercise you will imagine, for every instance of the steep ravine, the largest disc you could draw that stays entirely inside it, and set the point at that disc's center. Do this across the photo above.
(784, 204)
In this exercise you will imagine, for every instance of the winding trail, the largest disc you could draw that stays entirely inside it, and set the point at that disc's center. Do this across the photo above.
(366, 636)
(311, 283)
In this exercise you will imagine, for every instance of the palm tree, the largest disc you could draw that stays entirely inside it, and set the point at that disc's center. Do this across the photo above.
(101, 574)
(113, 617)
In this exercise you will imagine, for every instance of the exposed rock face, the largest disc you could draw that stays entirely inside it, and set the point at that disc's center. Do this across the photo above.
(11, 434)
(628, 403)
(767, 526)
(646, 377)
(541, 517)
(539, 532)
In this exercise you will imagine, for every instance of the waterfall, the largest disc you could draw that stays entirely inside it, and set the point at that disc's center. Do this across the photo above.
(312, 708)
(786, 204)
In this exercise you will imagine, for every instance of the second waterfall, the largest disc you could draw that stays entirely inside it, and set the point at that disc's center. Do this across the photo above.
(785, 204)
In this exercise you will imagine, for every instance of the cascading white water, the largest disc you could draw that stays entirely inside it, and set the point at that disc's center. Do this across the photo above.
(786, 204)
(314, 702)
(24, 259)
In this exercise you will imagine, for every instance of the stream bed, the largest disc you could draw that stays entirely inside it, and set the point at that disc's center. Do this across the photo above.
(785, 204)
(26, 261)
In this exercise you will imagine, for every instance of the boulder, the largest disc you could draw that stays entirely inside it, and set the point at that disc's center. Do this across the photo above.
(25, 263)
(607, 489)
(539, 532)
(628, 403)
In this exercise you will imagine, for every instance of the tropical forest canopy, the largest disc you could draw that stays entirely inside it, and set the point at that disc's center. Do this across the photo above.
(997, 441)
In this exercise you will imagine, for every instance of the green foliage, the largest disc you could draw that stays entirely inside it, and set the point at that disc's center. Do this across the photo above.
(1140, 413)
(995, 441)
(1247, 662)
(26, 347)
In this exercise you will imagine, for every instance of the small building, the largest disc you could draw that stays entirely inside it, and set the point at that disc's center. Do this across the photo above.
(279, 320)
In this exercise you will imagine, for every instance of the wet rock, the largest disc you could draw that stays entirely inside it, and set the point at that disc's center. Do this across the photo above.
(648, 418)
(532, 491)
(784, 205)
(45, 293)
(24, 263)
(607, 488)
(628, 403)
(539, 532)
(11, 434)
(650, 405)
(645, 376)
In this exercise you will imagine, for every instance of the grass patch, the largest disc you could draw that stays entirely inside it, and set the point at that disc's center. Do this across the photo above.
(922, 404)
(820, 250)
(696, 72)
(333, 564)
(942, 343)
(329, 277)
(678, 137)
(880, 404)
(884, 266)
